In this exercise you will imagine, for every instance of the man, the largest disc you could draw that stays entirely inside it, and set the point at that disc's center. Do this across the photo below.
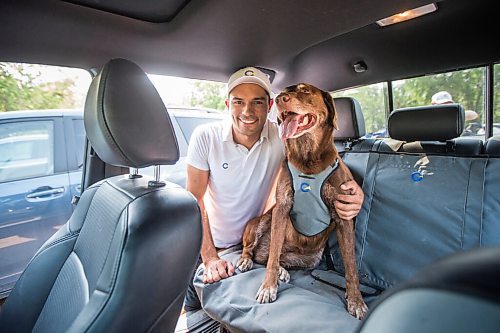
(444, 97)
(232, 168)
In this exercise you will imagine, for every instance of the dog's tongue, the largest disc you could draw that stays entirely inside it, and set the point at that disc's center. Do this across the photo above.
(290, 125)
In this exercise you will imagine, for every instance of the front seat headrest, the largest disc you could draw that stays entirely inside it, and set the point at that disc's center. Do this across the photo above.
(125, 118)
(427, 123)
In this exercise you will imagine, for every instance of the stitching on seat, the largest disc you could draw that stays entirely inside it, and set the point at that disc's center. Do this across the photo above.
(67, 236)
(142, 194)
(57, 241)
(369, 212)
(96, 186)
(122, 243)
(482, 204)
(464, 214)
(120, 190)
(113, 277)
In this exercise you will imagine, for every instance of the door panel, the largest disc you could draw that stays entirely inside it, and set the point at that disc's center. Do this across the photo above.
(35, 195)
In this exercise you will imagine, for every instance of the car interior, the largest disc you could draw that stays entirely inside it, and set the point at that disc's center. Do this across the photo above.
(427, 235)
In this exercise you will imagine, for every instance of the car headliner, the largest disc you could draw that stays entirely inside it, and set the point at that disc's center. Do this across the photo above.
(310, 41)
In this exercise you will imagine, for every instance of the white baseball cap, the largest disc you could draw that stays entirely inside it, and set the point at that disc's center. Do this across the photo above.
(441, 97)
(249, 75)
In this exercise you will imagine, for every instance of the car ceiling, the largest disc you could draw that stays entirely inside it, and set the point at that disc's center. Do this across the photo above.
(308, 41)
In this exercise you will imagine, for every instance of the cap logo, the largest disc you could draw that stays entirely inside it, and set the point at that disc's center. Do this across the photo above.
(249, 73)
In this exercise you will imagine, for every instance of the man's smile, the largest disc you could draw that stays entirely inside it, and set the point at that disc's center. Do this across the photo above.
(248, 121)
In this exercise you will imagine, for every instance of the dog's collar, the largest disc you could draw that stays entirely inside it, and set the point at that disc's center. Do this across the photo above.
(332, 168)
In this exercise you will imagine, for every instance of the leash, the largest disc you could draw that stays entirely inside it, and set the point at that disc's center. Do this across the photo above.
(328, 257)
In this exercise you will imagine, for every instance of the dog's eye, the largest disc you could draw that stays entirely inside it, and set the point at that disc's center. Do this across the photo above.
(304, 90)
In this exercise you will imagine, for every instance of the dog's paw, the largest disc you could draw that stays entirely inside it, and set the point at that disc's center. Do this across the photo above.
(244, 264)
(267, 294)
(357, 308)
(283, 275)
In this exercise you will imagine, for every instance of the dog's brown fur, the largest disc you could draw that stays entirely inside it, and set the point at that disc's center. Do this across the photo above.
(272, 237)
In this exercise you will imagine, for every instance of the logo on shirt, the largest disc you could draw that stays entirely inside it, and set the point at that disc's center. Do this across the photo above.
(225, 165)
(305, 187)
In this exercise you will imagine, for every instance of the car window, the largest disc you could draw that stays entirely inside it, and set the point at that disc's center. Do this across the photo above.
(496, 100)
(373, 101)
(189, 124)
(183, 127)
(26, 150)
(465, 87)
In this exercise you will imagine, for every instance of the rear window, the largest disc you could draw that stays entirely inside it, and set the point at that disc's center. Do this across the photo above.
(496, 100)
(373, 101)
(465, 87)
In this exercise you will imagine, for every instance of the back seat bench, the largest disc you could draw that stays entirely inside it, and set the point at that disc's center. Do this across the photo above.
(427, 195)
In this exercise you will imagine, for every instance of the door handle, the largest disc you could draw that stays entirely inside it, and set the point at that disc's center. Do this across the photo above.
(45, 193)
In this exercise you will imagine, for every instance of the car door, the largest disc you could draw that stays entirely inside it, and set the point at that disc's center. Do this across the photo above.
(34, 193)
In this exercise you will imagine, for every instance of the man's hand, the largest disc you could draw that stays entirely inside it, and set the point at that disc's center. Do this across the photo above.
(217, 269)
(349, 205)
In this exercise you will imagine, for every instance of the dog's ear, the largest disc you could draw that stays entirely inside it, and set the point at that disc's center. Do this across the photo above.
(332, 115)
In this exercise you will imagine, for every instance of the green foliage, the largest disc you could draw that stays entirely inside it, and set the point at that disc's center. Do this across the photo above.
(466, 88)
(209, 95)
(21, 89)
(372, 101)
(496, 91)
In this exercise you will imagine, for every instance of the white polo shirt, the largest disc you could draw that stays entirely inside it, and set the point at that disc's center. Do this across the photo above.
(240, 180)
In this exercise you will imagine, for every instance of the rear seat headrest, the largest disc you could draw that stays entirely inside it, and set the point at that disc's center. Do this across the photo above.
(493, 146)
(350, 121)
(427, 123)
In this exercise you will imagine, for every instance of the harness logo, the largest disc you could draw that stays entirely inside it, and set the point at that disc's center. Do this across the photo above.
(225, 165)
(305, 187)
(417, 176)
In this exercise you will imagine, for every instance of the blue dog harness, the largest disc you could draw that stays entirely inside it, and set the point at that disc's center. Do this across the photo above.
(309, 213)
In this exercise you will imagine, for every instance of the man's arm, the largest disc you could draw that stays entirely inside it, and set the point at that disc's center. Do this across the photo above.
(349, 205)
(215, 268)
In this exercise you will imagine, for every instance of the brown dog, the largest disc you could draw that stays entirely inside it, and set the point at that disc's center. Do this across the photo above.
(285, 236)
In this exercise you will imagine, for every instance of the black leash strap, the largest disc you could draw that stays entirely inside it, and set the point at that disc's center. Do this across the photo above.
(328, 257)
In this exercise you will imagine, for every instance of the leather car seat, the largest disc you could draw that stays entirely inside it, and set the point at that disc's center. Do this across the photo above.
(124, 259)
(457, 294)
